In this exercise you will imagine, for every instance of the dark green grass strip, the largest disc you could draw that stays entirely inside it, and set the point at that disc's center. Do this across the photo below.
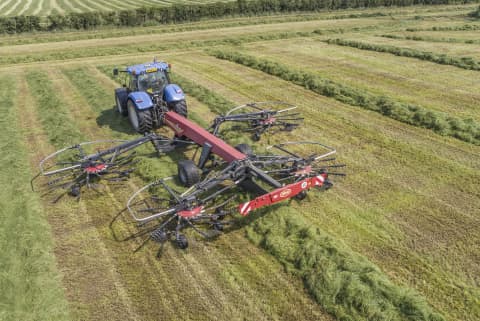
(466, 27)
(432, 39)
(441, 123)
(53, 113)
(30, 287)
(345, 283)
(460, 62)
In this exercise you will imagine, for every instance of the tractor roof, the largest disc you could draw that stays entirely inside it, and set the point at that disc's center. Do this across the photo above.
(146, 67)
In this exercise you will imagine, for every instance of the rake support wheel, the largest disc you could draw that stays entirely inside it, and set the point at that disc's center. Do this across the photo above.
(188, 173)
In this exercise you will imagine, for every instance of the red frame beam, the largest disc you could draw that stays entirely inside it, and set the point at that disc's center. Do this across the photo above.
(184, 127)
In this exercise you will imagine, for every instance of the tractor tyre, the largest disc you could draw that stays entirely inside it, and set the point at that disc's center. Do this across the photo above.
(180, 107)
(188, 173)
(244, 149)
(181, 241)
(121, 106)
(141, 120)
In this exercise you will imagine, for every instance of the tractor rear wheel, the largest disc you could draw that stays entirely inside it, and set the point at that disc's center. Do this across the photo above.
(180, 107)
(121, 107)
(141, 120)
(188, 173)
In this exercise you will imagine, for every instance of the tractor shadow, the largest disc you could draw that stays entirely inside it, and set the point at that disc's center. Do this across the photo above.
(111, 118)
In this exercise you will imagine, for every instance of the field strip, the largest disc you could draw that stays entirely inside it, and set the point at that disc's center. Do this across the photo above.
(69, 6)
(7, 2)
(27, 6)
(12, 9)
(55, 7)
(30, 280)
(39, 7)
(414, 136)
(76, 234)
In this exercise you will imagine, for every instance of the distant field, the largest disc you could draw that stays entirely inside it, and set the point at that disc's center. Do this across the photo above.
(46, 7)
(410, 203)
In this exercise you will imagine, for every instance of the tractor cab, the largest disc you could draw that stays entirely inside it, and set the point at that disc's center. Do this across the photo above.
(147, 94)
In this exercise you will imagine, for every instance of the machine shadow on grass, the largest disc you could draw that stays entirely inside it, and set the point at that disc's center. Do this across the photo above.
(116, 122)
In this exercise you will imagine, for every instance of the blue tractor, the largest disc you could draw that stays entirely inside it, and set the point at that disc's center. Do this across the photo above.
(147, 94)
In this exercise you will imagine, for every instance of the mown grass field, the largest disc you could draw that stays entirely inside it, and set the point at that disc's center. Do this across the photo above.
(46, 7)
(408, 212)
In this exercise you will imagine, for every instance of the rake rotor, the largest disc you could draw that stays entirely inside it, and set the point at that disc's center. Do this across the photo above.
(260, 117)
(72, 168)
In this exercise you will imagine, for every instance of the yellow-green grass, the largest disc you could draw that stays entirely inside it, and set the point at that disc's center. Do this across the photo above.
(391, 193)
(30, 283)
(437, 87)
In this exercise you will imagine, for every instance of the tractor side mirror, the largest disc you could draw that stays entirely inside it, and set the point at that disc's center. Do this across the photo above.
(115, 71)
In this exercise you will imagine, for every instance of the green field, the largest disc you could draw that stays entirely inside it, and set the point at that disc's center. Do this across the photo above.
(46, 7)
(397, 239)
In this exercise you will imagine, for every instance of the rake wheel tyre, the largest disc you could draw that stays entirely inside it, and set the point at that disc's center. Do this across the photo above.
(301, 196)
(244, 149)
(180, 107)
(74, 191)
(181, 241)
(188, 173)
(141, 120)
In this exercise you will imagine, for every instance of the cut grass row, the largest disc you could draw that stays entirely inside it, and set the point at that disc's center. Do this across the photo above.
(431, 39)
(333, 273)
(29, 281)
(443, 59)
(444, 124)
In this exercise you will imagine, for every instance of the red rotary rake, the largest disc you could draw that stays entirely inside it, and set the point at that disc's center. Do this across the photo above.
(205, 191)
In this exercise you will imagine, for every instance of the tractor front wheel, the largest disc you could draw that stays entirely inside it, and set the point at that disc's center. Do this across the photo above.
(141, 120)
(180, 107)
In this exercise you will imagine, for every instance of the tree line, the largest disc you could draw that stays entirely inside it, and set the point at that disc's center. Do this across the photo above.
(179, 13)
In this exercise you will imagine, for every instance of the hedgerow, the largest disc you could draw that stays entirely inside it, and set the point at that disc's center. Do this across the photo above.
(441, 123)
(460, 62)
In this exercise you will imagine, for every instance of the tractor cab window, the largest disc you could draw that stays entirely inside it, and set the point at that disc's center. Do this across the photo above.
(152, 82)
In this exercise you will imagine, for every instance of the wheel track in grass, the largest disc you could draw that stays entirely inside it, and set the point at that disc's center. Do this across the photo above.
(231, 88)
(195, 270)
